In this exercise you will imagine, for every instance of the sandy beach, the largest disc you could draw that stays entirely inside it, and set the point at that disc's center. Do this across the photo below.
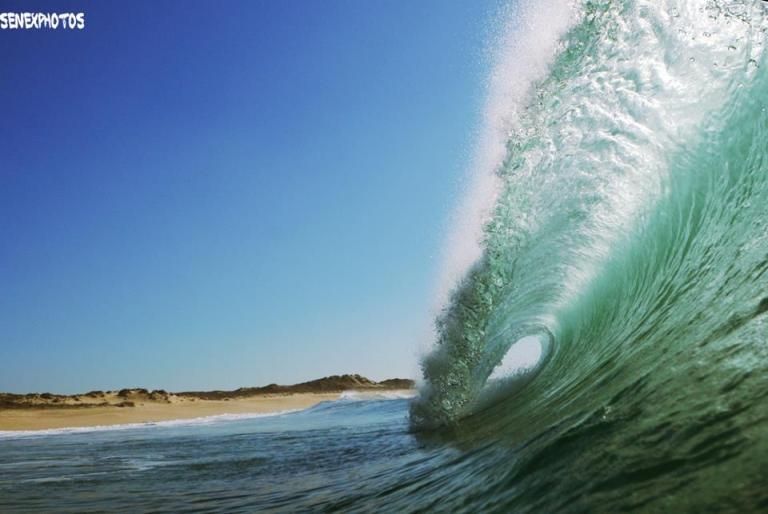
(102, 408)
(149, 411)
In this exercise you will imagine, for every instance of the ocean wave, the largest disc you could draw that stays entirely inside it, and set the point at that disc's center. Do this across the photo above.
(624, 177)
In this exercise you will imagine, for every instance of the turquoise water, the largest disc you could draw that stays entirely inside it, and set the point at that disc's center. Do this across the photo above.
(627, 239)
(632, 202)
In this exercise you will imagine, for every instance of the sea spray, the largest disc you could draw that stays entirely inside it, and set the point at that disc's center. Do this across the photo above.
(524, 42)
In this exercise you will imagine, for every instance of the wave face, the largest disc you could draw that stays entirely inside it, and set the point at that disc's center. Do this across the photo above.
(629, 236)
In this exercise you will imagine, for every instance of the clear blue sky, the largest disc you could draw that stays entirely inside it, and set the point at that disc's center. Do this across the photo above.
(213, 195)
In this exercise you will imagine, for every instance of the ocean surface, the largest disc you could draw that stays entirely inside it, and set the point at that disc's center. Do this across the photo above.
(336, 455)
(624, 239)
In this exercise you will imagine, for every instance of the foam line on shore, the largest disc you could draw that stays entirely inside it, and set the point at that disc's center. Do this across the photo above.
(203, 420)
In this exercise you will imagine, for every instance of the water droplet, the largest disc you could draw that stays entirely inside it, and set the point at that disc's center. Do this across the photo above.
(692, 59)
(731, 48)
(707, 34)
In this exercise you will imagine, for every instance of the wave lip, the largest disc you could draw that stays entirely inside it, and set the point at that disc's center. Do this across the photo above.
(520, 53)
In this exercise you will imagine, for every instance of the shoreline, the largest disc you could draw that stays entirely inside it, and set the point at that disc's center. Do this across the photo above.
(46, 411)
(41, 419)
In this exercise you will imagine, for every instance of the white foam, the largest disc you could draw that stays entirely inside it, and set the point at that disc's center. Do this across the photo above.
(204, 420)
(522, 50)
(376, 395)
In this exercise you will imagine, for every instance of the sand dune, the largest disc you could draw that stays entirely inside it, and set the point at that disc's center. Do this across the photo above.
(97, 408)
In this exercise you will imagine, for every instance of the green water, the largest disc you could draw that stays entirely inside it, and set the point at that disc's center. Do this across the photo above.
(630, 235)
